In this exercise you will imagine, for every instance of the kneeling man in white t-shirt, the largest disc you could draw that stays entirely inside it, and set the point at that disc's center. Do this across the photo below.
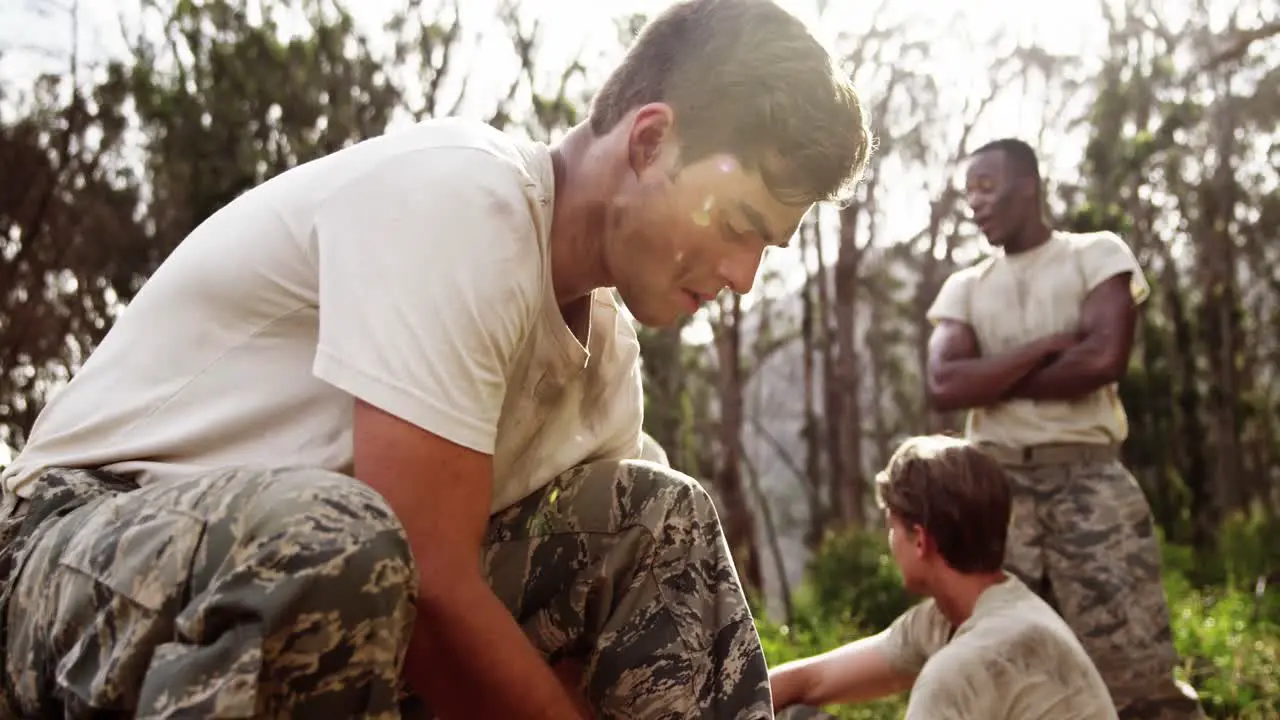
(983, 645)
(373, 426)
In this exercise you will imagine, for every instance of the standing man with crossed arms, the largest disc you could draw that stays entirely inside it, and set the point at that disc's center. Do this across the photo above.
(372, 422)
(1032, 342)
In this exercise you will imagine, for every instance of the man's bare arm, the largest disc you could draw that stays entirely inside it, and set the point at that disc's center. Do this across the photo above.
(1107, 320)
(959, 378)
(467, 655)
(857, 672)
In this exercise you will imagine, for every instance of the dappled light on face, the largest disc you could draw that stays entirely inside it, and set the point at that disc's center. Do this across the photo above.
(727, 164)
(702, 216)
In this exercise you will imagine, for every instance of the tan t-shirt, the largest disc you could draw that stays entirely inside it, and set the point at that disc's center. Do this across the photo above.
(1011, 300)
(1013, 659)
(411, 271)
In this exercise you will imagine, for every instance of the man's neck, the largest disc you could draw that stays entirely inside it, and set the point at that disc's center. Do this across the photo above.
(1029, 239)
(578, 219)
(959, 594)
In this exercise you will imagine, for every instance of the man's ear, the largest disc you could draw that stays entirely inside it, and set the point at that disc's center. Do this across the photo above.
(920, 540)
(652, 138)
(1028, 187)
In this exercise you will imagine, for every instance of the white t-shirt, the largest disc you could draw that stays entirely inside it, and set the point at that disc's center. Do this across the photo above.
(1013, 659)
(1011, 300)
(412, 271)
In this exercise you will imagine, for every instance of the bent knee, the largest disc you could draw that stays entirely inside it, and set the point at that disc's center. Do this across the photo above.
(315, 513)
(658, 494)
(326, 498)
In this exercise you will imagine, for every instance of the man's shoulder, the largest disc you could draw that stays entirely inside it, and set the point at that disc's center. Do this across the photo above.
(460, 135)
(1015, 648)
(1016, 608)
(464, 179)
(1021, 635)
(1014, 671)
(973, 271)
(448, 155)
(1085, 241)
(1036, 658)
(1023, 631)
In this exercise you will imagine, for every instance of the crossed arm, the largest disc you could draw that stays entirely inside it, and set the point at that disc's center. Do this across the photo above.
(1055, 367)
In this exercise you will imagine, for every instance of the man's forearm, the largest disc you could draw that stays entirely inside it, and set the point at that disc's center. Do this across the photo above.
(981, 381)
(1073, 374)
(469, 658)
(854, 673)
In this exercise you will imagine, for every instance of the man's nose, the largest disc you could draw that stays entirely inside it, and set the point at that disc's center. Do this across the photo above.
(739, 269)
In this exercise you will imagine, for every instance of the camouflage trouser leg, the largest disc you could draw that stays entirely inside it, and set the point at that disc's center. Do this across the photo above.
(1082, 535)
(624, 566)
(233, 594)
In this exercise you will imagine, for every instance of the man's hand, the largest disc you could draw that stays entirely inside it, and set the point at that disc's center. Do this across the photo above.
(959, 377)
(467, 655)
(856, 672)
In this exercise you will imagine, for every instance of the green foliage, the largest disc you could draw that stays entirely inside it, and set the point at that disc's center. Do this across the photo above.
(1250, 549)
(1246, 554)
(854, 580)
(1229, 640)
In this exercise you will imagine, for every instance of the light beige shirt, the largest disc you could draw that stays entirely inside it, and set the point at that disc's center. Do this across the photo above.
(1010, 300)
(1013, 659)
(411, 271)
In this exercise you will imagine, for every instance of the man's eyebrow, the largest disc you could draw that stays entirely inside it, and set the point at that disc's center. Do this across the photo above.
(758, 224)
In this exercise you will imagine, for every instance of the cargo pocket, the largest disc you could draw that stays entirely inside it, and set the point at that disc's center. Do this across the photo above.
(123, 574)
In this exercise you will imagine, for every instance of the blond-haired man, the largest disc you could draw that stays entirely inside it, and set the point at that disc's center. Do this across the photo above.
(373, 422)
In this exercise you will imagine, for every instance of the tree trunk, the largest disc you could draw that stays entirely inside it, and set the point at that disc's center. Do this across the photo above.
(849, 441)
(811, 429)
(739, 531)
(830, 390)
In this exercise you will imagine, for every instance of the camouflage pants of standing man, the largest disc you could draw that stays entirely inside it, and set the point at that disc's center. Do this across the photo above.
(288, 593)
(1082, 536)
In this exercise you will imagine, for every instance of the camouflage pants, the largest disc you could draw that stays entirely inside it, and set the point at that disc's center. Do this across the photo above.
(1082, 536)
(288, 593)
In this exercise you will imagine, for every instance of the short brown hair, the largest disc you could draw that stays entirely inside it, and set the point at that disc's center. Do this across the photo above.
(958, 494)
(745, 77)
